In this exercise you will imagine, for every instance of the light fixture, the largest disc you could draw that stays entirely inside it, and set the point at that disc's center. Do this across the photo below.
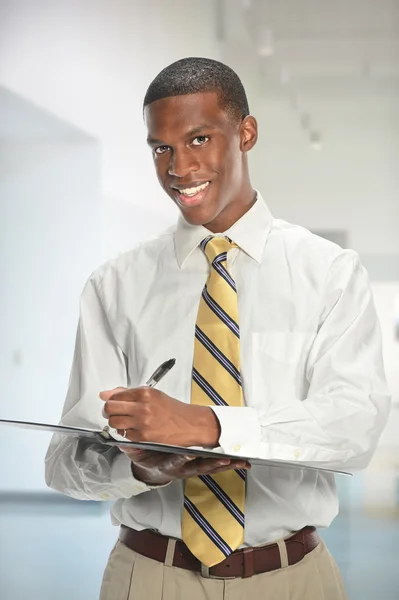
(315, 140)
(266, 42)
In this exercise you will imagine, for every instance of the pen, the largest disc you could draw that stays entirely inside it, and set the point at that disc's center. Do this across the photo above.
(160, 372)
(155, 378)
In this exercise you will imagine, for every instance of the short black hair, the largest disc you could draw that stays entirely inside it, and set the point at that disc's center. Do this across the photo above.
(195, 75)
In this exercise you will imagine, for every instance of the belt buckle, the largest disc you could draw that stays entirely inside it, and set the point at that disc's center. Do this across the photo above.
(207, 575)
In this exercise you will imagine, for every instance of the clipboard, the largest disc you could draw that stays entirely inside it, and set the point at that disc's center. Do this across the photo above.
(104, 438)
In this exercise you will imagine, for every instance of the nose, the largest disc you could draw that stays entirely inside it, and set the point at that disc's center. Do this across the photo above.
(182, 162)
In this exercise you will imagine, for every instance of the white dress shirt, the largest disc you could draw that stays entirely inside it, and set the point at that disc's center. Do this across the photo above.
(311, 362)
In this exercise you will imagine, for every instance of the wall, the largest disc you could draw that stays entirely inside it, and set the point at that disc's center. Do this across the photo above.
(90, 63)
(352, 182)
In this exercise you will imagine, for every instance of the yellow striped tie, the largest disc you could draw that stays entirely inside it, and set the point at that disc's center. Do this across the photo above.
(213, 516)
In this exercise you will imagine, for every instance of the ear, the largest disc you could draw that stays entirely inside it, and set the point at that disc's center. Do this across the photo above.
(248, 133)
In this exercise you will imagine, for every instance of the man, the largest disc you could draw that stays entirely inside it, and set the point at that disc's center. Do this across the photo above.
(278, 354)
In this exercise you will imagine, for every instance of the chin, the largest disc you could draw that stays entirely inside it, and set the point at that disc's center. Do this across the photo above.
(193, 219)
(198, 219)
(197, 215)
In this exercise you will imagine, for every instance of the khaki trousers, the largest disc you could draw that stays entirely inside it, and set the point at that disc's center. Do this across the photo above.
(131, 576)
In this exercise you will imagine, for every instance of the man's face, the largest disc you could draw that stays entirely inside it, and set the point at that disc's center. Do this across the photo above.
(198, 154)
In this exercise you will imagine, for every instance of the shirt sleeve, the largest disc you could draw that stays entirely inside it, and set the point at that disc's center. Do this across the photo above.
(73, 466)
(340, 421)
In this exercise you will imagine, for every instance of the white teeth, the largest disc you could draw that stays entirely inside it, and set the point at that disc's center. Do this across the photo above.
(195, 190)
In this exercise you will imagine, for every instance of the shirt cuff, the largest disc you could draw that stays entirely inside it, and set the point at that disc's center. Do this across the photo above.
(241, 432)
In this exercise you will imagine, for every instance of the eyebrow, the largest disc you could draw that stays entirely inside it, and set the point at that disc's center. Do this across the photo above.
(198, 129)
(193, 132)
(153, 141)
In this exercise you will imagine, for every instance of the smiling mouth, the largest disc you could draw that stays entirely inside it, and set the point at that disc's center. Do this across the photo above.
(191, 196)
(190, 192)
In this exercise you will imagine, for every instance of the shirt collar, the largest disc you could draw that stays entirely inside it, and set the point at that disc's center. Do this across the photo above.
(250, 233)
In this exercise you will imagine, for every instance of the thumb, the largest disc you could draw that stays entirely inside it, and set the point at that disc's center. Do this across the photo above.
(106, 394)
(183, 458)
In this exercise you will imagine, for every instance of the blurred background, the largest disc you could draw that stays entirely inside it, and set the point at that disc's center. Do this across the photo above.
(77, 186)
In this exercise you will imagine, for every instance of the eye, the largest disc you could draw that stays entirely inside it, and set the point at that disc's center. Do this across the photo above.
(161, 149)
(200, 140)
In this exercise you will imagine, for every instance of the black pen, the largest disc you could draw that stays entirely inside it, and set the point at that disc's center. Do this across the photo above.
(155, 378)
(160, 372)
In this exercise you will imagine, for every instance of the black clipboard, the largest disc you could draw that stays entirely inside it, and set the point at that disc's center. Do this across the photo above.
(102, 437)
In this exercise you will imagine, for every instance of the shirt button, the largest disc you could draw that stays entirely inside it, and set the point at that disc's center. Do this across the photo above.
(297, 454)
(237, 447)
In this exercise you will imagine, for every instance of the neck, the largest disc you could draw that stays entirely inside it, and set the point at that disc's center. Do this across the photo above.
(233, 212)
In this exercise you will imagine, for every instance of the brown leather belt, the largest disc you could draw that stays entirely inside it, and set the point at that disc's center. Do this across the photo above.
(242, 563)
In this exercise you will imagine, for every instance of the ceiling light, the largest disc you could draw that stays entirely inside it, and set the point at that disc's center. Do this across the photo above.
(315, 140)
(266, 42)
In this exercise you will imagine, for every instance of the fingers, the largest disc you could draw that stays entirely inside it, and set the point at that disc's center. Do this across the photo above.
(160, 460)
(161, 467)
(181, 466)
(147, 458)
(134, 453)
(123, 416)
(180, 460)
(119, 407)
(123, 422)
(120, 394)
(106, 394)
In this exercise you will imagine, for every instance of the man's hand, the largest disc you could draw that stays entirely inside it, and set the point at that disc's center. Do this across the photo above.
(158, 468)
(149, 415)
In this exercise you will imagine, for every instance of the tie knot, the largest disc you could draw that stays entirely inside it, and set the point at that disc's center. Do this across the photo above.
(216, 248)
